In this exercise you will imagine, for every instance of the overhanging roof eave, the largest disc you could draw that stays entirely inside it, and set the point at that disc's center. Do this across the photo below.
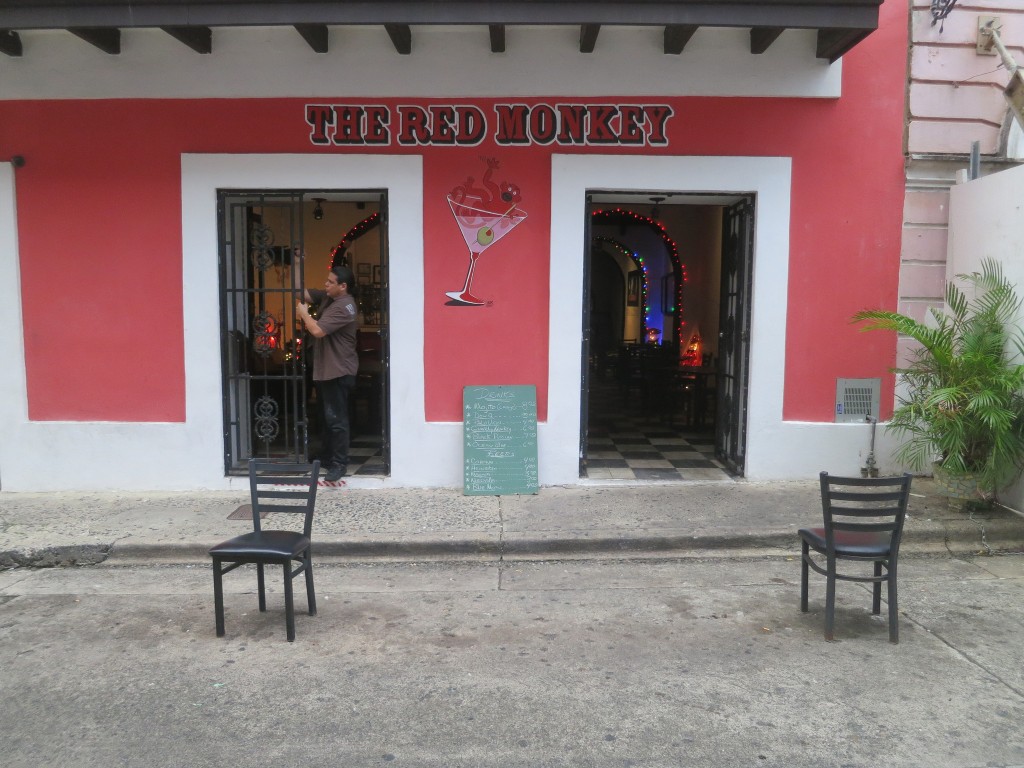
(127, 14)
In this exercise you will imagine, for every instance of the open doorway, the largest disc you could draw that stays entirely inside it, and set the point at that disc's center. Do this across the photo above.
(663, 390)
(270, 405)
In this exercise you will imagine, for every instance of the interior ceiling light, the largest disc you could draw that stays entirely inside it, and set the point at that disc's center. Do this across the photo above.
(318, 212)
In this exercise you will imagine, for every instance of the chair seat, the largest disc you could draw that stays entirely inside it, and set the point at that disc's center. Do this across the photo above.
(262, 544)
(850, 543)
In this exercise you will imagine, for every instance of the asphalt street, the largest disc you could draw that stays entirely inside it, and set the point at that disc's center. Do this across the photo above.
(681, 662)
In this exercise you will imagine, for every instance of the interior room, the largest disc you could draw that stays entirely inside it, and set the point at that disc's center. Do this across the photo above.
(273, 379)
(345, 227)
(652, 312)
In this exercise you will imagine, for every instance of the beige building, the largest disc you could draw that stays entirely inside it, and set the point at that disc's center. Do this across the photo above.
(955, 98)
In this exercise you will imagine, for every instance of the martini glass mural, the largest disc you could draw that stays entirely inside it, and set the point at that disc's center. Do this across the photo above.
(484, 214)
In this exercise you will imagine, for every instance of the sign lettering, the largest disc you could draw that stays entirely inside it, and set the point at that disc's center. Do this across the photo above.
(467, 125)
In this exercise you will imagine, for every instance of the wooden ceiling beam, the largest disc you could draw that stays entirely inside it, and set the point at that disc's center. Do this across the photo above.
(840, 24)
(497, 33)
(315, 36)
(106, 39)
(588, 37)
(833, 43)
(199, 39)
(401, 37)
(677, 36)
(10, 43)
(762, 37)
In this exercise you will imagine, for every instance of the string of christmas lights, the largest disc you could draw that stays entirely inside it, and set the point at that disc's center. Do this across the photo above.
(357, 231)
(625, 217)
(639, 261)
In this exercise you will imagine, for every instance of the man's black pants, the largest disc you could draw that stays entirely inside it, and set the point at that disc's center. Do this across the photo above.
(334, 395)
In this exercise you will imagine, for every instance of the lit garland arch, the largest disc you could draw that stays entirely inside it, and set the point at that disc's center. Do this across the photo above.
(637, 260)
(357, 231)
(624, 218)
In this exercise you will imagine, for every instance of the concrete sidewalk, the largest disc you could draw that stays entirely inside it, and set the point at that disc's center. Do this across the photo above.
(717, 519)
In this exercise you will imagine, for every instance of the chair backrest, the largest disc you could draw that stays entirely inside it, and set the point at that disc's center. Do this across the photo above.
(865, 505)
(276, 487)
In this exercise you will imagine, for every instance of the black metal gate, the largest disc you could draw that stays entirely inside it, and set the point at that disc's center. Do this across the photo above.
(585, 351)
(385, 333)
(734, 334)
(264, 372)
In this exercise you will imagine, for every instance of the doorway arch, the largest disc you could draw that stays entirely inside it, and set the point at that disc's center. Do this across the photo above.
(649, 301)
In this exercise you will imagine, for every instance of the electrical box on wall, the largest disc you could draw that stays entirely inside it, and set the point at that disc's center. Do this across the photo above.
(857, 399)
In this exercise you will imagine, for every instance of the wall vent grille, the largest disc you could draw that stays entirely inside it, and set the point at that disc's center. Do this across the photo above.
(857, 399)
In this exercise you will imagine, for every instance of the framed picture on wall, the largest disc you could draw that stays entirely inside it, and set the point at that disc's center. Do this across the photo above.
(667, 299)
(376, 274)
(633, 288)
(364, 269)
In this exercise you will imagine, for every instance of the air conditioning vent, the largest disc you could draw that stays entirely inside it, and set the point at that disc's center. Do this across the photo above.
(857, 399)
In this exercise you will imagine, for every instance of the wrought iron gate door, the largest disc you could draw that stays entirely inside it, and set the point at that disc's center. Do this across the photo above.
(734, 335)
(385, 334)
(264, 371)
(588, 246)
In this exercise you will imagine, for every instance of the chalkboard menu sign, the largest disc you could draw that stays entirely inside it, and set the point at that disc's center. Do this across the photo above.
(500, 440)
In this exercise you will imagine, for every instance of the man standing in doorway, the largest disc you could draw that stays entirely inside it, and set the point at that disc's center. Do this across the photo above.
(335, 361)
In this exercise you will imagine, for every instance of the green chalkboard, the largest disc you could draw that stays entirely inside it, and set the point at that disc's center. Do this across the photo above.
(499, 440)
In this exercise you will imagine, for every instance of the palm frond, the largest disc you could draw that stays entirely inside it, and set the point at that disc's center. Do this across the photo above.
(963, 403)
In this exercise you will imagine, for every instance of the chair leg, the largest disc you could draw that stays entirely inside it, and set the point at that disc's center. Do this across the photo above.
(261, 587)
(310, 593)
(894, 614)
(218, 597)
(803, 576)
(876, 590)
(289, 603)
(830, 601)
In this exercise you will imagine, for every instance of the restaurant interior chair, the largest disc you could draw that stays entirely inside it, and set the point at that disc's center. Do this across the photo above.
(274, 487)
(863, 523)
(630, 373)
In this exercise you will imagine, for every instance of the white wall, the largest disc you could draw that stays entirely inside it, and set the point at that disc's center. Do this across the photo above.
(986, 220)
(401, 177)
(73, 455)
(148, 456)
(446, 61)
(775, 449)
(13, 387)
(190, 455)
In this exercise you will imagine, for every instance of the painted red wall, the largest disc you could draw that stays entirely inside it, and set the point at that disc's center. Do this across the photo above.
(99, 228)
(506, 340)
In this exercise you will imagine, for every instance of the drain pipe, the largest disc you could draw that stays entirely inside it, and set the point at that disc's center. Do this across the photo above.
(870, 468)
(988, 37)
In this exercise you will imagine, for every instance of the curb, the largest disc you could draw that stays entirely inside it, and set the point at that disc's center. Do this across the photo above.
(947, 537)
(55, 557)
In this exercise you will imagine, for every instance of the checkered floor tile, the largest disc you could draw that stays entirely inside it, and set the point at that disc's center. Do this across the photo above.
(364, 456)
(623, 444)
(632, 454)
(639, 453)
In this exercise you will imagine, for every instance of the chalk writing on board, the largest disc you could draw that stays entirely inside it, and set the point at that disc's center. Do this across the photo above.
(500, 440)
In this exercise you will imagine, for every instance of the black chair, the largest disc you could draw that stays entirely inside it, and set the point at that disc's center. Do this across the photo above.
(290, 488)
(863, 522)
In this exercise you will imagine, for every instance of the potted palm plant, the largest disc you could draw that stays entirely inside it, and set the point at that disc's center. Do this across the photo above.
(961, 401)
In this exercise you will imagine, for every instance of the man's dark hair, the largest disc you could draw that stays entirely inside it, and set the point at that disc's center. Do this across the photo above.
(344, 275)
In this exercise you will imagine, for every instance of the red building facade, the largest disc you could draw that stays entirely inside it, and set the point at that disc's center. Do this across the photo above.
(118, 247)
